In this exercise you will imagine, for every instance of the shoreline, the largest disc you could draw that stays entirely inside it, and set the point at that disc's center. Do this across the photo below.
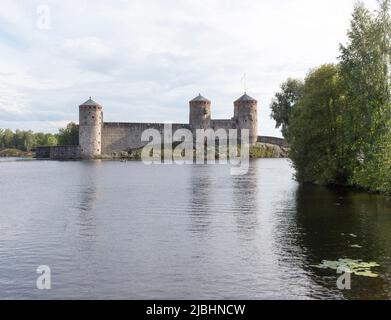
(258, 151)
(16, 153)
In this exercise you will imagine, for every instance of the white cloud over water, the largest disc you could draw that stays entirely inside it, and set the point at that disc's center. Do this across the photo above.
(143, 60)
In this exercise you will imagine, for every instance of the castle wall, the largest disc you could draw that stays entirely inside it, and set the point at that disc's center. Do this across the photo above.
(42, 153)
(58, 153)
(117, 136)
(222, 124)
(97, 137)
(273, 140)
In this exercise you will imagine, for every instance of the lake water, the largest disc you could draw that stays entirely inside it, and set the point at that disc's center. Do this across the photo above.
(126, 230)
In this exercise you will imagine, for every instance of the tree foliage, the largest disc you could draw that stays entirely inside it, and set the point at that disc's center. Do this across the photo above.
(69, 136)
(365, 67)
(339, 123)
(315, 128)
(284, 101)
(27, 140)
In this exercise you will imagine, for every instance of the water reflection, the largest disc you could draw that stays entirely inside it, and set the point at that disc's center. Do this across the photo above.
(245, 197)
(87, 193)
(87, 198)
(199, 199)
(88, 185)
(126, 230)
(334, 224)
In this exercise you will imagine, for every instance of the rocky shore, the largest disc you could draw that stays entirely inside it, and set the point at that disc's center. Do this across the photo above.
(259, 150)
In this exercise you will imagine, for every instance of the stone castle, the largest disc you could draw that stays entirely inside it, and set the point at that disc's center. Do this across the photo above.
(97, 137)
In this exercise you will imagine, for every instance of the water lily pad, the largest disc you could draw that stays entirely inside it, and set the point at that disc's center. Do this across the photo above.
(366, 274)
(357, 267)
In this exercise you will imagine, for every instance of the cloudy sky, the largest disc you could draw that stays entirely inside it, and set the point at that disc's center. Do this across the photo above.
(143, 60)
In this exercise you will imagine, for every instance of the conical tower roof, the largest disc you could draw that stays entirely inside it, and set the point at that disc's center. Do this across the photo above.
(90, 103)
(200, 98)
(246, 98)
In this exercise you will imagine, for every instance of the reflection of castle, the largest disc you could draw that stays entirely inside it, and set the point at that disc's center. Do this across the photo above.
(97, 137)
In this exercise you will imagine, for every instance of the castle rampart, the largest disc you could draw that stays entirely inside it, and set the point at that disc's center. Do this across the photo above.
(98, 138)
(123, 136)
(58, 153)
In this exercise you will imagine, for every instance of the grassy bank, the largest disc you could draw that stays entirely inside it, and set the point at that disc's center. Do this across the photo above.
(260, 150)
(15, 153)
(266, 150)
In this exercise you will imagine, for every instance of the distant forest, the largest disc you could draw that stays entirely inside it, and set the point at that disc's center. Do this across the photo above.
(28, 140)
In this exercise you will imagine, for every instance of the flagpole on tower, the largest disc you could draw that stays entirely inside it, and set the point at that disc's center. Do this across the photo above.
(244, 79)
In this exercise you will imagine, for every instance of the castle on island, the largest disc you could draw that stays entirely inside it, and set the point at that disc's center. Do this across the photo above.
(97, 138)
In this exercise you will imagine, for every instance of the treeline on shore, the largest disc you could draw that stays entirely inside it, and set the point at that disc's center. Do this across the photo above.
(338, 120)
(28, 140)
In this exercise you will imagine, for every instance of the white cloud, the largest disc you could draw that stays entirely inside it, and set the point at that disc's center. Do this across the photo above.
(143, 60)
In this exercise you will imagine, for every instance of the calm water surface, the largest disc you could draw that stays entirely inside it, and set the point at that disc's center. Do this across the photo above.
(131, 231)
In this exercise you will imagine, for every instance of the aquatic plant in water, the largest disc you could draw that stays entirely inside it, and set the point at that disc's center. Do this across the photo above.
(357, 267)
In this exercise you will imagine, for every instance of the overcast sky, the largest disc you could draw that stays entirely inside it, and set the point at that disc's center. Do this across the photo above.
(143, 60)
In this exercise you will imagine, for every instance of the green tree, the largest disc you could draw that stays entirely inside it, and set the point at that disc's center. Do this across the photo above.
(284, 101)
(25, 140)
(315, 128)
(29, 140)
(1, 138)
(40, 139)
(8, 138)
(339, 125)
(18, 142)
(69, 135)
(365, 69)
(50, 139)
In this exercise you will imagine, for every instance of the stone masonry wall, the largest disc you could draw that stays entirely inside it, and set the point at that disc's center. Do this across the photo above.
(273, 140)
(222, 124)
(117, 136)
(58, 153)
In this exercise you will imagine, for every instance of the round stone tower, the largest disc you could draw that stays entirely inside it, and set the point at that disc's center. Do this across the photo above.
(246, 116)
(199, 113)
(90, 129)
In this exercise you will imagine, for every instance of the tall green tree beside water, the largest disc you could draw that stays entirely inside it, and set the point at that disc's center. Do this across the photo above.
(315, 128)
(284, 102)
(365, 68)
(339, 124)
